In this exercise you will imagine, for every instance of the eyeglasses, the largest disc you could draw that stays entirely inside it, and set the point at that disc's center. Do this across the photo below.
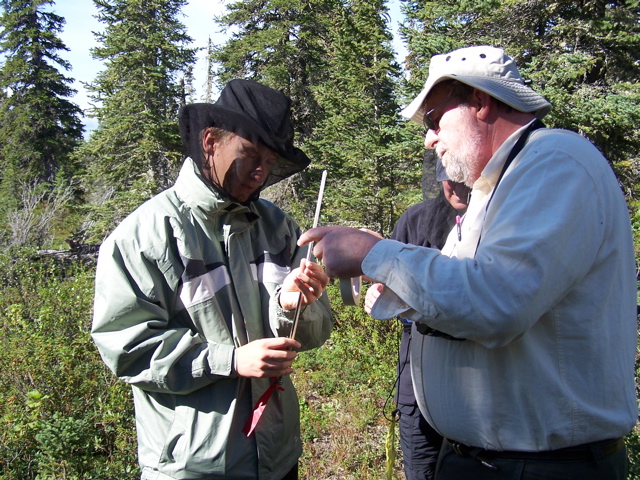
(430, 123)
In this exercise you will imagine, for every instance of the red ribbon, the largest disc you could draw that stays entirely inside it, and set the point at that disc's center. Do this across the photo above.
(250, 426)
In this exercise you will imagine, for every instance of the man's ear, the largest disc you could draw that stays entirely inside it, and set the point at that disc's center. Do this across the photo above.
(208, 142)
(483, 103)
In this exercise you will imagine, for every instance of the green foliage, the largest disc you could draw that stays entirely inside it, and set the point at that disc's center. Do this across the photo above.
(39, 126)
(583, 56)
(359, 365)
(358, 124)
(281, 43)
(136, 150)
(138, 93)
(334, 59)
(633, 452)
(62, 415)
(344, 389)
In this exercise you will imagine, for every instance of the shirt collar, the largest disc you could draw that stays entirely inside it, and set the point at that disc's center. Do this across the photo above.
(491, 172)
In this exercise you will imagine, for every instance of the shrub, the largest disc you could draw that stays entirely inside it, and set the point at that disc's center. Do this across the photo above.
(62, 414)
(343, 389)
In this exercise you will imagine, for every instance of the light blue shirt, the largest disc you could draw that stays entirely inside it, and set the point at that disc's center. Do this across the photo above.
(547, 304)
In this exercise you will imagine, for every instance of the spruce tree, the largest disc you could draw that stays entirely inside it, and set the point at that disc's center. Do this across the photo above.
(137, 95)
(39, 125)
(334, 59)
(280, 43)
(583, 56)
(358, 133)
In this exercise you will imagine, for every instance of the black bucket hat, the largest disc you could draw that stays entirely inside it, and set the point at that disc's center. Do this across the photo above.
(253, 111)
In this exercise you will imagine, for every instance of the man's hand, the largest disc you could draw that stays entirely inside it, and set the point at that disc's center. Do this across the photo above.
(375, 234)
(267, 357)
(373, 293)
(309, 279)
(341, 249)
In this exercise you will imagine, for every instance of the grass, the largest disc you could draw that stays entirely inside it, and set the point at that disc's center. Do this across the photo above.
(344, 388)
(64, 415)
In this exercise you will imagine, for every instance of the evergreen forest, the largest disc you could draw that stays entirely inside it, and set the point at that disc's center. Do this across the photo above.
(63, 415)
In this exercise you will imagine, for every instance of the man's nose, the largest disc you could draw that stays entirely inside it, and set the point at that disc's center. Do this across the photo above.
(263, 168)
(430, 139)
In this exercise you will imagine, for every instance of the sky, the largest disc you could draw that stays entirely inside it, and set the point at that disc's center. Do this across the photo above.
(198, 18)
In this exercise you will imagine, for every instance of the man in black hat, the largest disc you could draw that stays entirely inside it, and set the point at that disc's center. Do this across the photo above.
(195, 298)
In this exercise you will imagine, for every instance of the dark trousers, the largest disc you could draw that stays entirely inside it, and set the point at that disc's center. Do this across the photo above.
(452, 466)
(293, 473)
(420, 444)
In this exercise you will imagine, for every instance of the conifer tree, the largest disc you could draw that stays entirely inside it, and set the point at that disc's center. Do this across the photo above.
(358, 133)
(583, 56)
(280, 43)
(333, 58)
(39, 126)
(138, 94)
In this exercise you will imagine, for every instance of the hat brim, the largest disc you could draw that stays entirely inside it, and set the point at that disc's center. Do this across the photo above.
(510, 92)
(195, 117)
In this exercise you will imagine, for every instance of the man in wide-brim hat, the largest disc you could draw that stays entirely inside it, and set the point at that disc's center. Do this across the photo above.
(195, 297)
(527, 363)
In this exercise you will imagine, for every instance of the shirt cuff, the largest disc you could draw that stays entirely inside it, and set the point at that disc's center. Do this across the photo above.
(377, 265)
(221, 359)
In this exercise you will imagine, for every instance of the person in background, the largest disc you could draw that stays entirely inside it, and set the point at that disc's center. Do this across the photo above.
(527, 368)
(427, 224)
(195, 297)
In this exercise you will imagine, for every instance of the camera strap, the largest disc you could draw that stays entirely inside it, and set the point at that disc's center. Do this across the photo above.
(517, 148)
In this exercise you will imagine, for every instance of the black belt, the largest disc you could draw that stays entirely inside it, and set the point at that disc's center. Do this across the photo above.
(586, 452)
(432, 332)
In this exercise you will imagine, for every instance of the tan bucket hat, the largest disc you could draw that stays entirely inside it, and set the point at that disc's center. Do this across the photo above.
(483, 67)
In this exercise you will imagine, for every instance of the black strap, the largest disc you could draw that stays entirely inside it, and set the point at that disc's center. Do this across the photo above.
(425, 329)
(579, 453)
(517, 148)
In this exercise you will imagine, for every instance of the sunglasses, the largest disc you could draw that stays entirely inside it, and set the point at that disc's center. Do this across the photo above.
(430, 123)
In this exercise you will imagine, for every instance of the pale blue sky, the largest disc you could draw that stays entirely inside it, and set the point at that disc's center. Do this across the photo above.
(80, 25)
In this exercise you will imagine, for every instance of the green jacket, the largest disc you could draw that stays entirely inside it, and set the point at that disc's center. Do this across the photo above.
(182, 282)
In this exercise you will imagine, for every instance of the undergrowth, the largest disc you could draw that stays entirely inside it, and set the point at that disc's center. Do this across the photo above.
(64, 415)
(343, 389)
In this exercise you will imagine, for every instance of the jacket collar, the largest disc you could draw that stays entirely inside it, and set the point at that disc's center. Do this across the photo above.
(202, 196)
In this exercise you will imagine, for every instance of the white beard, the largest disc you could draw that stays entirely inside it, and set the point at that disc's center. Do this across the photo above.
(462, 165)
(456, 169)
